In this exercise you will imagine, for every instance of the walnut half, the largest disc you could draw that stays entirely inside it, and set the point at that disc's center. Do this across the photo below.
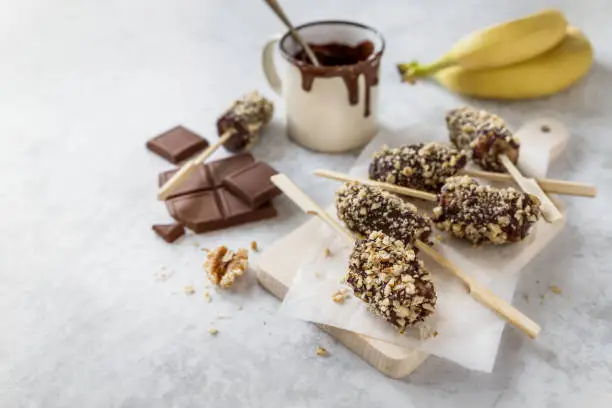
(223, 266)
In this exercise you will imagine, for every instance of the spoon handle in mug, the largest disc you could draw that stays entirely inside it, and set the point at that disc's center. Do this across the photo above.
(278, 10)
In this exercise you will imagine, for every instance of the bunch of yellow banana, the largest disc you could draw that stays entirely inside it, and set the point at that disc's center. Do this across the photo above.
(531, 57)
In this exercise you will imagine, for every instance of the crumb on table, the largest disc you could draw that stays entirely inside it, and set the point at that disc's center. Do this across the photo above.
(189, 290)
(322, 352)
(207, 296)
(213, 331)
(254, 246)
(340, 295)
(327, 253)
(556, 290)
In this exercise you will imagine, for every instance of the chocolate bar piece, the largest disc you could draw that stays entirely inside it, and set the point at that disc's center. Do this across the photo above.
(221, 168)
(177, 144)
(215, 209)
(252, 184)
(169, 232)
(209, 176)
(199, 180)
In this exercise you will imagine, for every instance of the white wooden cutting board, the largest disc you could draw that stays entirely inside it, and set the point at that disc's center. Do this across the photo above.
(279, 263)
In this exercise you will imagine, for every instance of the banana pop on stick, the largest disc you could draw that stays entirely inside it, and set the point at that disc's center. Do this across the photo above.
(485, 135)
(383, 272)
(480, 213)
(366, 209)
(420, 166)
(239, 128)
(387, 275)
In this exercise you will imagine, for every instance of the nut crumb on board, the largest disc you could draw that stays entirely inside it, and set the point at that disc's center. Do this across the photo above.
(207, 296)
(189, 290)
(204, 249)
(322, 352)
(196, 244)
(223, 266)
(427, 332)
(213, 331)
(556, 290)
(317, 274)
(440, 238)
(327, 253)
(341, 295)
(254, 246)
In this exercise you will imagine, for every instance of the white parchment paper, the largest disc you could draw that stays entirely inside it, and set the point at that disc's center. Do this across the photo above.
(468, 333)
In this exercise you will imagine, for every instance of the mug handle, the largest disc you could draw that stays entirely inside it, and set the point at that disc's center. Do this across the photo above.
(268, 65)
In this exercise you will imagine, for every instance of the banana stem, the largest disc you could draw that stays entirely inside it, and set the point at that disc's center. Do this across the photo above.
(413, 70)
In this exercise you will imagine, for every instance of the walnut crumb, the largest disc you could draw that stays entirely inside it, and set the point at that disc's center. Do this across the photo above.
(427, 332)
(207, 296)
(440, 238)
(254, 246)
(340, 296)
(213, 331)
(327, 253)
(204, 249)
(223, 266)
(317, 274)
(189, 290)
(556, 290)
(321, 352)
(196, 244)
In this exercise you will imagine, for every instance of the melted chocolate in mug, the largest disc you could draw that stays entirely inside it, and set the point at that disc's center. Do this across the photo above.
(345, 61)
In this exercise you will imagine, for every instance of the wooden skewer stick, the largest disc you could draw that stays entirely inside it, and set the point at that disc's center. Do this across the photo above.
(188, 168)
(550, 186)
(278, 10)
(530, 186)
(307, 204)
(479, 291)
(410, 192)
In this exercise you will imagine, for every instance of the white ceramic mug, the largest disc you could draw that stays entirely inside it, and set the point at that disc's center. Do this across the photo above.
(329, 109)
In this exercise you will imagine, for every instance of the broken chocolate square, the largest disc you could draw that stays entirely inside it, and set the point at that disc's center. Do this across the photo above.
(169, 232)
(221, 168)
(252, 184)
(199, 180)
(177, 144)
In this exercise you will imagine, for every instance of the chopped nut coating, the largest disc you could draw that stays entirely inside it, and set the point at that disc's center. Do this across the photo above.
(365, 209)
(420, 166)
(480, 213)
(386, 274)
(485, 135)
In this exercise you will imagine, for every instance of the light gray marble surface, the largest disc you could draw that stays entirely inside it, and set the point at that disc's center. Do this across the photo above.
(85, 323)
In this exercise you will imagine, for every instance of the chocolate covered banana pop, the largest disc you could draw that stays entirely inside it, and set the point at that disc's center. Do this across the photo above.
(243, 120)
(387, 275)
(480, 213)
(420, 166)
(238, 130)
(484, 135)
(365, 209)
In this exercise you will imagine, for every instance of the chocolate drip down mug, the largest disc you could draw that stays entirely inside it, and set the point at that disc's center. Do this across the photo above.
(333, 107)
